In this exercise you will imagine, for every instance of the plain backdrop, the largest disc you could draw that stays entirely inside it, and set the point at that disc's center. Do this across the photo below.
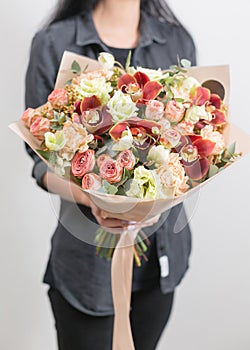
(212, 304)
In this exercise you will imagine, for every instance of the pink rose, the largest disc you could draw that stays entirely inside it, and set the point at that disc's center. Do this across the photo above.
(154, 110)
(101, 159)
(39, 127)
(58, 98)
(174, 111)
(83, 162)
(170, 137)
(29, 116)
(111, 170)
(126, 159)
(91, 181)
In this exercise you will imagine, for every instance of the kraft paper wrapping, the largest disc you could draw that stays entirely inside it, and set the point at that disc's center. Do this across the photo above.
(133, 209)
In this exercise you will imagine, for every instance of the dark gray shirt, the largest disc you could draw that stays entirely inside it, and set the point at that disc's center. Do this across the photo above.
(73, 267)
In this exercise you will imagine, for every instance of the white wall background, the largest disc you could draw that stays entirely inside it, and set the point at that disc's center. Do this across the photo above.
(212, 308)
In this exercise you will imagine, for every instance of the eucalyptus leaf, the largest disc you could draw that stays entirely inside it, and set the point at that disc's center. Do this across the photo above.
(110, 189)
(75, 68)
(213, 170)
(185, 63)
(231, 148)
(45, 154)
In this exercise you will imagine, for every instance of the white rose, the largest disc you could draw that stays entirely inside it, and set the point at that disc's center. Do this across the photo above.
(97, 86)
(121, 107)
(195, 113)
(158, 154)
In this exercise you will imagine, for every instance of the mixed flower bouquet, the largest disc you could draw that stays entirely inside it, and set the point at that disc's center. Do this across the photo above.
(135, 132)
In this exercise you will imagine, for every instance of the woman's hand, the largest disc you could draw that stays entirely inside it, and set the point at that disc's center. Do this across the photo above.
(110, 224)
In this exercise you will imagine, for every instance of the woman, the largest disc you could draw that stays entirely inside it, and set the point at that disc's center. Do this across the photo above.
(80, 288)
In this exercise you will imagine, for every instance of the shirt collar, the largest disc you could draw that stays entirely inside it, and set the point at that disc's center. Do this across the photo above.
(150, 30)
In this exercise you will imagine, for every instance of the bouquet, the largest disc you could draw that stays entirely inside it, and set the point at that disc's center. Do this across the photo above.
(138, 141)
(135, 132)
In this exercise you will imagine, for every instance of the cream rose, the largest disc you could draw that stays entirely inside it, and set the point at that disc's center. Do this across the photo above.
(39, 127)
(174, 111)
(77, 139)
(172, 176)
(121, 107)
(154, 110)
(214, 136)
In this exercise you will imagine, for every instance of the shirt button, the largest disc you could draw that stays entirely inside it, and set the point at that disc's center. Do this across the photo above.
(164, 265)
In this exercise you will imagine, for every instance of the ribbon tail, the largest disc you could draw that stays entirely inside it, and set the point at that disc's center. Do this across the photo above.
(121, 280)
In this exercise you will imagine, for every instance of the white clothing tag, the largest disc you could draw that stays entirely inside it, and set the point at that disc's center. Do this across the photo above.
(164, 264)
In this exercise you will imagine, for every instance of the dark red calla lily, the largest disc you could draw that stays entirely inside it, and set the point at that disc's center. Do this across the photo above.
(150, 89)
(126, 80)
(116, 131)
(141, 78)
(133, 123)
(219, 118)
(97, 121)
(202, 96)
(198, 170)
(205, 147)
(216, 101)
(88, 103)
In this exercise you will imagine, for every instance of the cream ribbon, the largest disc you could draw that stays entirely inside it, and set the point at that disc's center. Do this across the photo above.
(121, 281)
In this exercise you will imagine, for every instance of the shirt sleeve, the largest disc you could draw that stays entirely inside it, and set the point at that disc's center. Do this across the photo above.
(39, 82)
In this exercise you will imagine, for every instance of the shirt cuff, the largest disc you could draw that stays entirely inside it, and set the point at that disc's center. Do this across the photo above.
(38, 172)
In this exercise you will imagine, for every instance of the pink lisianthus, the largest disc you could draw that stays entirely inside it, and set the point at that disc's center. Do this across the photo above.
(29, 116)
(83, 162)
(91, 181)
(111, 170)
(126, 159)
(58, 98)
(154, 110)
(39, 127)
(174, 111)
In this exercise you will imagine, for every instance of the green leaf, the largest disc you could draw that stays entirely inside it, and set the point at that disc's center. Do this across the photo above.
(179, 99)
(69, 82)
(185, 63)
(213, 170)
(231, 148)
(110, 189)
(75, 68)
(45, 154)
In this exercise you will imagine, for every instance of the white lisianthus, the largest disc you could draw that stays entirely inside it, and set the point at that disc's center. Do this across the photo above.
(125, 142)
(97, 86)
(195, 113)
(145, 185)
(106, 60)
(153, 74)
(55, 142)
(121, 107)
(190, 84)
(158, 154)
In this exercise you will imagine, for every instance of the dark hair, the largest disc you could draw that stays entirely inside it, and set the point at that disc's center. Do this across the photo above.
(157, 8)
